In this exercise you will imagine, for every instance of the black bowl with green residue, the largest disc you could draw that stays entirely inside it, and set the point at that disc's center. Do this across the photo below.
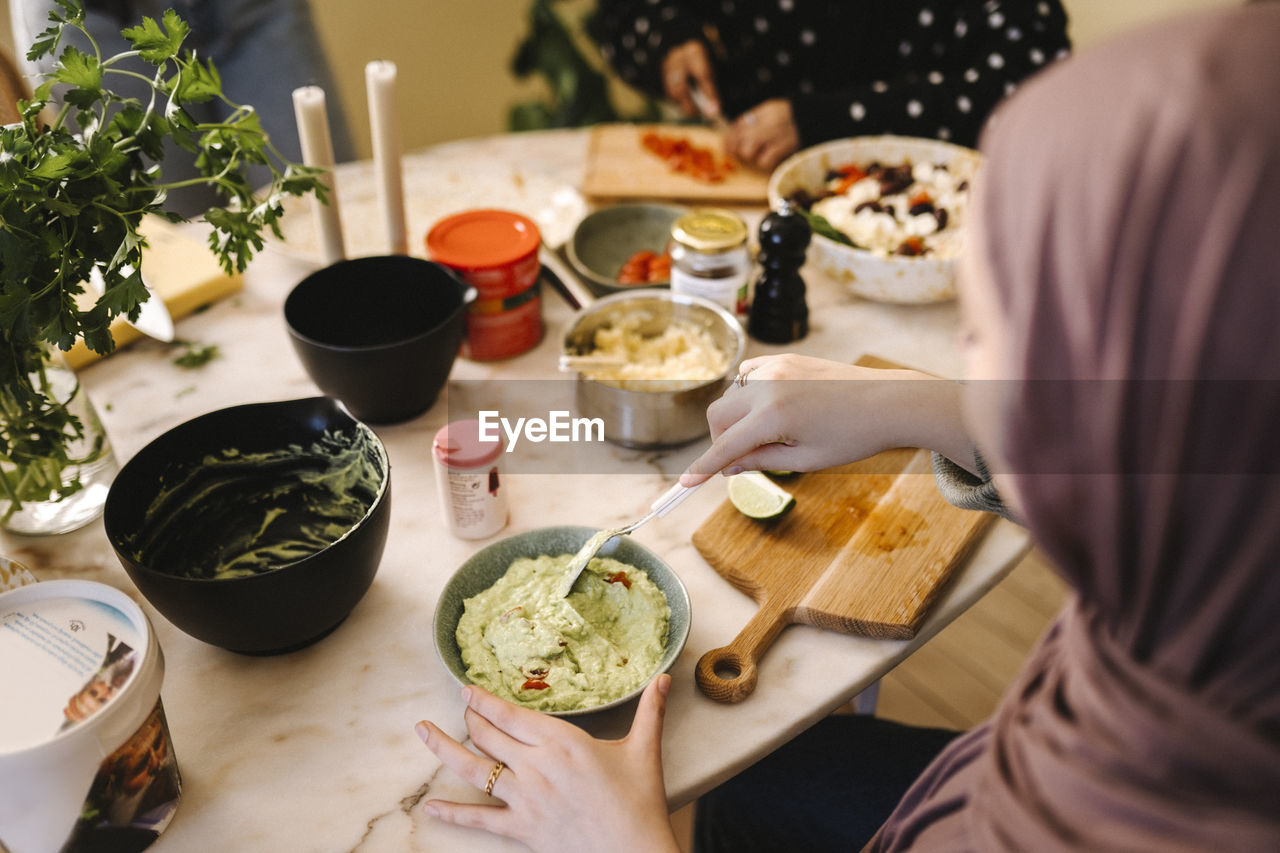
(256, 528)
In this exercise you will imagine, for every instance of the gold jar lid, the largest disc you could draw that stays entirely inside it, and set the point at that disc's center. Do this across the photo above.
(710, 230)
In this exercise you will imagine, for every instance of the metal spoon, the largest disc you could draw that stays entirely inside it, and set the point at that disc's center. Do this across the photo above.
(663, 505)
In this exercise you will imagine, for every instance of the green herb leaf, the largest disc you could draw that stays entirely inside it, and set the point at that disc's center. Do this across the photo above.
(153, 42)
(197, 83)
(196, 355)
(79, 70)
(821, 225)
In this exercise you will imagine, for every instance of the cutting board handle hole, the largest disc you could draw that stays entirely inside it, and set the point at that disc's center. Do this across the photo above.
(727, 669)
(726, 675)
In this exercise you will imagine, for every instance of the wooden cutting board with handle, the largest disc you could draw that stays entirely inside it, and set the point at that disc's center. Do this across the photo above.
(865, 550)
(619, 168)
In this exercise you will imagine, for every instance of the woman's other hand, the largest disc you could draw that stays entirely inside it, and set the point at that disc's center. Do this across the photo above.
(685, 66)
(764, 135)
(561, 789)
(799, 413)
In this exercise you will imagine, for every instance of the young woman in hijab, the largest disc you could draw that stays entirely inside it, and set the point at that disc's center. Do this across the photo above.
(1121, 303)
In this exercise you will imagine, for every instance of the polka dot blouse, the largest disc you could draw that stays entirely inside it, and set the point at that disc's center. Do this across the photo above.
(928, 68)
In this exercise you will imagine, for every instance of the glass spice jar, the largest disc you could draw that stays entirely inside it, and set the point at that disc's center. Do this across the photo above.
(709, 257)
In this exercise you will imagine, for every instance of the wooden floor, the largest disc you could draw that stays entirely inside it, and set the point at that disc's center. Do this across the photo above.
(956, 679)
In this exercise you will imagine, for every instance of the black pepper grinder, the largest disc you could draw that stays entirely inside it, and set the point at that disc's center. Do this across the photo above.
(779, 314)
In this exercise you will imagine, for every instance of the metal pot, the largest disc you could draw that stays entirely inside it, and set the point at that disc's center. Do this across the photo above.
(653, 418)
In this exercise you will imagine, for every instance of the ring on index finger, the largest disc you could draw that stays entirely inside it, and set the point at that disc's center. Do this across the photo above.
(741, 379)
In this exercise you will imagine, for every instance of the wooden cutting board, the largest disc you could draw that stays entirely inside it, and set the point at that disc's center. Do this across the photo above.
(865, 550)
(619, 167)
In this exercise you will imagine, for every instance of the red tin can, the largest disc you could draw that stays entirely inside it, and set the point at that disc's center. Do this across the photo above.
(496, 252)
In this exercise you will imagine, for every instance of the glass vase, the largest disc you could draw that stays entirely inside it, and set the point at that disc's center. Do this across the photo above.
(49, 487)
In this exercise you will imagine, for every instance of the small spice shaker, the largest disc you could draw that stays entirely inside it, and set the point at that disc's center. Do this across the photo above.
(469, 481)
(709, 257)
(779, 314)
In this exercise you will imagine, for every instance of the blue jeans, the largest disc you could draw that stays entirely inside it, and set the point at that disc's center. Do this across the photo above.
(829, 789)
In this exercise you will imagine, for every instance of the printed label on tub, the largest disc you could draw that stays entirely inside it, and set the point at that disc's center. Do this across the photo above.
(134, 794)
(67, 659)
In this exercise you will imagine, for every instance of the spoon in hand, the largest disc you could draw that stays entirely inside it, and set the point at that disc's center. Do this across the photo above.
(663, 505)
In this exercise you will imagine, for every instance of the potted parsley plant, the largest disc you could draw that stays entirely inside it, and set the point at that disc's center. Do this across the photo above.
(76, 179)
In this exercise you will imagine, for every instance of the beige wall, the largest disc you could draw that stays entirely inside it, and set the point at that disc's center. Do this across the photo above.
(453, 57)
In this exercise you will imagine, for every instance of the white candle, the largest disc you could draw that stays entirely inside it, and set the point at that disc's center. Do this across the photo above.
(317, 150)
(384, 122)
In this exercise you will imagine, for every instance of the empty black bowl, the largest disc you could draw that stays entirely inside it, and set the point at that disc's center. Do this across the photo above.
(256, 528)
(381, 333)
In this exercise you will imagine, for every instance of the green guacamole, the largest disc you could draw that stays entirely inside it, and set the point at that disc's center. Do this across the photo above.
(523, 642)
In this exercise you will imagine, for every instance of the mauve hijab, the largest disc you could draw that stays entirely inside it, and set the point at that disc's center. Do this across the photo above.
(1131, 205)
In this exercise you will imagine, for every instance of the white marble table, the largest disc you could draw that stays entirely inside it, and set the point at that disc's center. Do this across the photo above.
(315, 750)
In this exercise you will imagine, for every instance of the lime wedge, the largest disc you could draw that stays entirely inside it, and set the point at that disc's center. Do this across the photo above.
(756, 496)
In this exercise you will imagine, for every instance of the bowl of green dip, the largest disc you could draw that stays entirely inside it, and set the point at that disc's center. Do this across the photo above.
(501, 624)
(257, 528)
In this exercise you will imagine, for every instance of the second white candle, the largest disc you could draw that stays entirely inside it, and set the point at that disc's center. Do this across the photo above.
(384, 123)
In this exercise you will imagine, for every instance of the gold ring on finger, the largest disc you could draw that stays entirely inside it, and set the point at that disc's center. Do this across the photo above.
(493, 778)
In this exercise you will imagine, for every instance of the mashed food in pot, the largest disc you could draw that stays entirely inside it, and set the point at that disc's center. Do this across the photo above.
(520, 640)
(682, 355)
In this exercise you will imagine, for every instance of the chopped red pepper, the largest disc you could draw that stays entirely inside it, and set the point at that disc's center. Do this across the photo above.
(645, 267)
(534, 684)
(921, 197)
(849, 175)
(683, 156)
(911, 246)
(620, 577)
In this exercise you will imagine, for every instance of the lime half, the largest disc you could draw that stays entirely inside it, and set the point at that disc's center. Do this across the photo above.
(756, 496)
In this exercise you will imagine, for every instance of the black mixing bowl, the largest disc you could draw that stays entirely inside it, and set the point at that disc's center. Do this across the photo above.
(380, 334)
(256, 528)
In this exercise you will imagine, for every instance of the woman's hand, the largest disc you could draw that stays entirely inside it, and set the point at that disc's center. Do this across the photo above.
(689, 62)
(764, 135)
(798, 413)
(563, 789)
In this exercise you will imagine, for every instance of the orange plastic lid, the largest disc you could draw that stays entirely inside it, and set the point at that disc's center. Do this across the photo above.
(480, 239)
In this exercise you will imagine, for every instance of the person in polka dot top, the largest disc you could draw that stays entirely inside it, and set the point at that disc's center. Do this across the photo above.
(792, 73)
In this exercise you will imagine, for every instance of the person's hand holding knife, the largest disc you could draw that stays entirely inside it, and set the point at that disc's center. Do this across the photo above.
(688, 81)
(762, 136)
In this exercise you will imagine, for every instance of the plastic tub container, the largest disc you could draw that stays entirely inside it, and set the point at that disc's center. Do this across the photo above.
(86, 762)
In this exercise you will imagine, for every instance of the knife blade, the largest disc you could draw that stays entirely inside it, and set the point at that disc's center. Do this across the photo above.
(153, 317)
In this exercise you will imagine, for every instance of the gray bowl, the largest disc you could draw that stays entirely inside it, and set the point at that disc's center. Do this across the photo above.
(484, 568)
(605, 239)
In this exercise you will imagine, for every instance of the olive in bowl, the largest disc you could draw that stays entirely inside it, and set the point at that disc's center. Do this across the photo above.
(257, 528)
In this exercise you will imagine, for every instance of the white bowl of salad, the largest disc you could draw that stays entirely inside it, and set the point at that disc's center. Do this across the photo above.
(887, 212)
